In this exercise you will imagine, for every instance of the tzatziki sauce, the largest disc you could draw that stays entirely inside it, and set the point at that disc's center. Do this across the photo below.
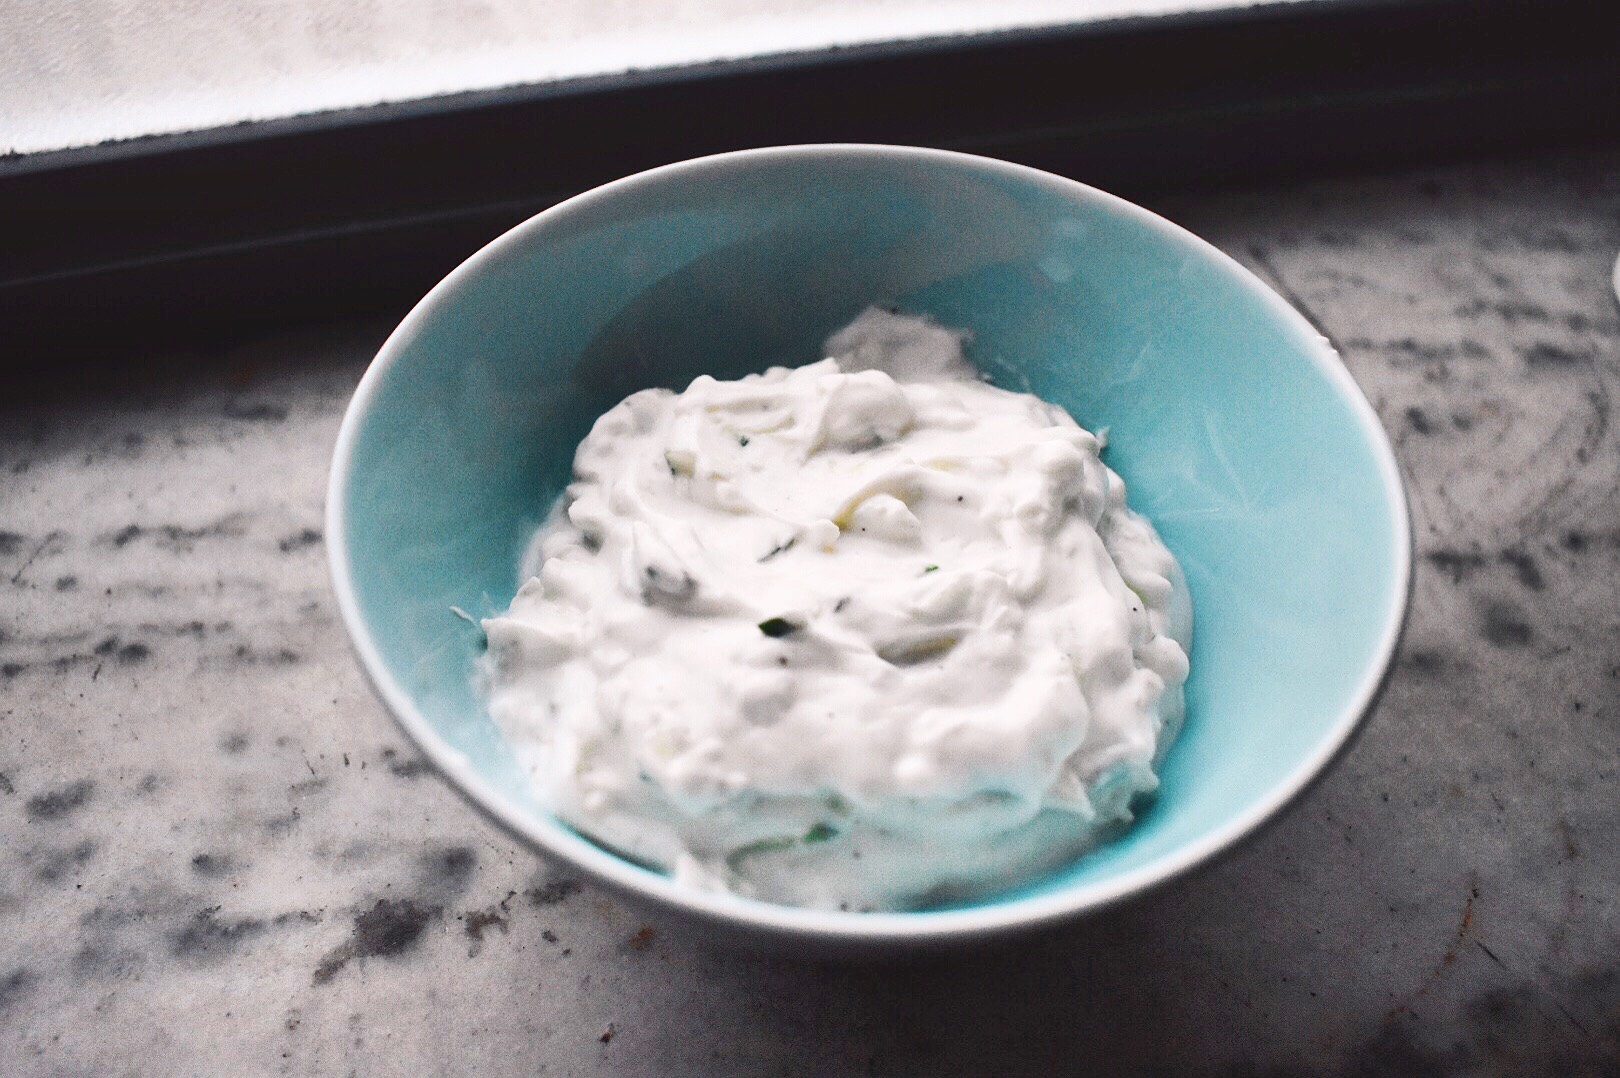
(867, 634)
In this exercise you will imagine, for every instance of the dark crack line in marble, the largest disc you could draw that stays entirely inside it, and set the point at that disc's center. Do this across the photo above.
(1551, 994)
(1263, 260)
(1541, 516)
(1465, 927)
(1576, 1022)
(43, 543)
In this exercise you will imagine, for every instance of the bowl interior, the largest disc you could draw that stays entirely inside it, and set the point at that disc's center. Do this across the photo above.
(1233, 425)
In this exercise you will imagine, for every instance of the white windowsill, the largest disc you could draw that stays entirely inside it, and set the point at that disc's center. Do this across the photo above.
(81, 72)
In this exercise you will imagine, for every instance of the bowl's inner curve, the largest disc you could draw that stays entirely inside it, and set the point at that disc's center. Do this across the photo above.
(1262, 477)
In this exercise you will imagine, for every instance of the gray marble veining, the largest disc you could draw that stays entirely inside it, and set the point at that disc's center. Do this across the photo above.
(222, 858)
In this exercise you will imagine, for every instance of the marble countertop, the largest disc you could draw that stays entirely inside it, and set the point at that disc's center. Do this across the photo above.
(223, 858)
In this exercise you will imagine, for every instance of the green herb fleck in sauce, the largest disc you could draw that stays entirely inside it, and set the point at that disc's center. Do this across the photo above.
(782, 548)
(735, 859)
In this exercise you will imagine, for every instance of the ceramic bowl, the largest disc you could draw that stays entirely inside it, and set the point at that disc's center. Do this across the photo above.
(1234, 423)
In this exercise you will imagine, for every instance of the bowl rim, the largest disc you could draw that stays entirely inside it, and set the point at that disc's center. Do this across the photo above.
(837, 927)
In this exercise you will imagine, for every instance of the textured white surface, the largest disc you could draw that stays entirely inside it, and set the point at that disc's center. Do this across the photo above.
(979, 652)
(81, 72)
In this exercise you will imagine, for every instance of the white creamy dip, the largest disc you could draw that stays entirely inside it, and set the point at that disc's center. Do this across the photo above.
(865, 634)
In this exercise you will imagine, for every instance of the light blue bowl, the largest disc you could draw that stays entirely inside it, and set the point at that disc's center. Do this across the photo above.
(1236, 427)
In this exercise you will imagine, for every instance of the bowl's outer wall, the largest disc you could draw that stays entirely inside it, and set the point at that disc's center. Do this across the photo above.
(1234, 437)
